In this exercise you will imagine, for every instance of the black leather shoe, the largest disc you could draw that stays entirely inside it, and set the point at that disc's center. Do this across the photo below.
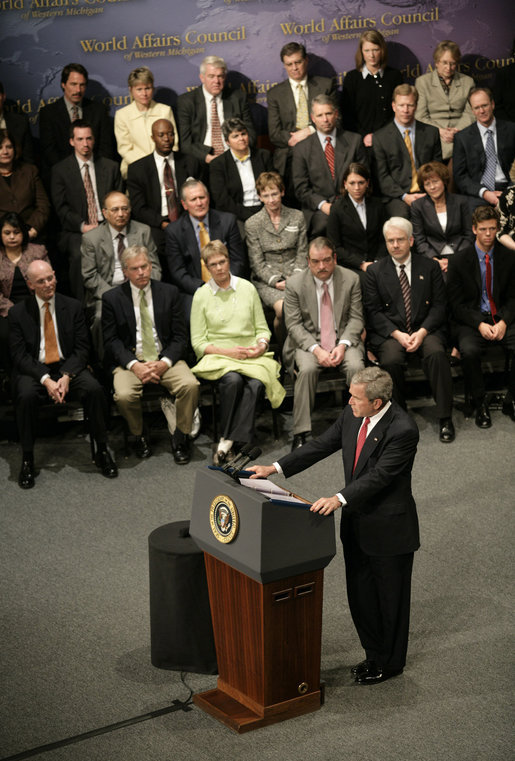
(447, 432)
(483, 419)
(181, 448)
(508, 408)
(142, 448)
(299, 439)
(363, 667)
(107, 465)
(26, 478)
(377, 675)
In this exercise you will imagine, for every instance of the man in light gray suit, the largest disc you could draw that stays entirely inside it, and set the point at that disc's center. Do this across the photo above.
(324, 319)
(101, 251)
(320, 162)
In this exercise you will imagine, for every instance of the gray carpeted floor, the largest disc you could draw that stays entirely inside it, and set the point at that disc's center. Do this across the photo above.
(75, 627)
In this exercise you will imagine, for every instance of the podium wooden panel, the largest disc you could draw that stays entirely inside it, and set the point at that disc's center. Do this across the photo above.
(267, 635)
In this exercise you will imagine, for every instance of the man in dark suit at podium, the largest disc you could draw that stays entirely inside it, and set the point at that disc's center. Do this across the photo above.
(379, 527)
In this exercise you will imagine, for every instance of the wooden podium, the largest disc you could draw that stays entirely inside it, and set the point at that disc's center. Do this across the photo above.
(265, 590)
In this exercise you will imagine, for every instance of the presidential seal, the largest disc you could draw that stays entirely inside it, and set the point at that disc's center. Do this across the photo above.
(224, 518)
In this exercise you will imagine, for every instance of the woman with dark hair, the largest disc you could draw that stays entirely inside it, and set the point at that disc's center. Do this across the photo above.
(506, 207)
(368, 89)
(21, 189)
(355, 223)
(16, 253)
(441, 220)
(443, 96)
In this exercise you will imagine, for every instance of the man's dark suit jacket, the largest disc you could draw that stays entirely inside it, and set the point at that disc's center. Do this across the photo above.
(19, 127)
(145, 191)
(427, 230)
(282, 114)
(24, 336)
(392, 166)
(54, 130)
(183, 255)
(464, 286)
(310, 171)
(384, 305)
(225, 182)
(380, 511)
(354, 244)
(69, 194)
(119, 323)
(469, 156)
(192, 119)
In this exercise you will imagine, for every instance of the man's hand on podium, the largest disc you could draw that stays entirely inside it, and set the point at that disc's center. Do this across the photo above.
(262, 471)
(325, 505)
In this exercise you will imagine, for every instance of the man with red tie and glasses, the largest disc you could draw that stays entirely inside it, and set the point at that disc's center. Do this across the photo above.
(379, 526)
(481, 289)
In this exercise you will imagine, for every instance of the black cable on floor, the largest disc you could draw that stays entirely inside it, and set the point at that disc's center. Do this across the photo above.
(177, 705)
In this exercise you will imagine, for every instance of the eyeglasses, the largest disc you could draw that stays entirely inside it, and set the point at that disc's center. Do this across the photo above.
(119, 208)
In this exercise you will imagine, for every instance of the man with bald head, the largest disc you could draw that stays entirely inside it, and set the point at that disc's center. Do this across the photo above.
(49, 345)
(153, 182)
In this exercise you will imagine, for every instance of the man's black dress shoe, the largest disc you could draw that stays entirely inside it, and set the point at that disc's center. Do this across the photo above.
(376, 675)
(483, 419)
(508, 408)
(181, 448)
(105, 462)
(27, 475)
(363, 667)
(447, 432)
(142, 447)
(299, 439)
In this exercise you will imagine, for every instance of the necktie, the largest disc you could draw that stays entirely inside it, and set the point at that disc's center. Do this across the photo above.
(170, 192)
(51, 350)
(216, 131)
(302, 109)
(327, 331)
(362, 435)
(203, 236)
(414, 188)
(488, 177)
(488, 278)
(148, 345)
(406, 296)
(90, 197)
(75, 113)
(329, 154)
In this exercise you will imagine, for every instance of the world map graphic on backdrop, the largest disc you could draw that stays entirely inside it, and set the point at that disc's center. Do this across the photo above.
(111, 37)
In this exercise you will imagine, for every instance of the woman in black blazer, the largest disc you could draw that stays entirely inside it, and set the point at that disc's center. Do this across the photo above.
(442, 223)
(357, 245)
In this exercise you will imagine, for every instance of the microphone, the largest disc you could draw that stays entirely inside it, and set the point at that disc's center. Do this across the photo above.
(230, 464)
(252, 455)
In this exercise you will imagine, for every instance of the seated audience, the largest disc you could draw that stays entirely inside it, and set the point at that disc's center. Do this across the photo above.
(133, 123)
(21, 189)
(405, 314)
(277, 246)
(202, 111)
(55, 119)
(18, 126)
(145, 339)
(355, 224)
(399, 150)
(233, 174)
(368, 89)
(16, 253)
(320, 161)
(506, 234)
(153, 182)
(441, 220)
(230, 337)
(483, 152)
(442, 96)
(79, 184)
(101, 256)
(324, 319)
(189, 234)
(49, 345)
(481, 291)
